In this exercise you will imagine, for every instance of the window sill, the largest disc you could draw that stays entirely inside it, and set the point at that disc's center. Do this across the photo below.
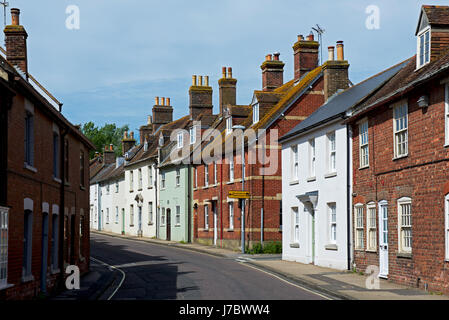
(57, 180)
(330, 175)
(6, 286)
(28, 278)
(404, 255)
(359, 249)
(311, 179)
(67, 184)
(331, 247)
(82, 188)
(364, 168)
(150, 188)
(140, 189)
(294, 245)
(371, 250)
(205, 187)
(177, 225)
(131, 191)
(131, 226)
(292, 183)
(400, 157)
(54, 271)
(151, 223)
(230, 182)
(30, 168)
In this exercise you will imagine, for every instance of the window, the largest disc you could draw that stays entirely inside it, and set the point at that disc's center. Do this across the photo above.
(178, 177)
(231, 170)
(206, 175)
(371, 222)
(295, 217)
(54, 239)
(180, 140)
(131, 215)
(312, 159)
(116, 215)
(359, 231)
(424, 48)
(215, 173)
(55, 155)
(447, 227)
(163, 217)
(229, 125)
(29, 139)
(206, 217)
(131, 181)
(364, 147)
(295, 163)
(150, 212)
(150, 177)
(332, 149)
(400, 130)
(332, 222)
(231, 215)
(196, 177)
(107, 215)
(162, 180)
(192, 135)
(107, 188)
(27, 243)
(405, 225)
(139, 177)
(66, 160)
(256, 113)
(116, 187)
(178, 216)
(3, 247)
(82, 173)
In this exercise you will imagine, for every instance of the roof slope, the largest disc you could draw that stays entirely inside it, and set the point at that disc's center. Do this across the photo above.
(339, 103)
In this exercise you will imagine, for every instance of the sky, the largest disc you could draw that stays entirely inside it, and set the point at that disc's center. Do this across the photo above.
(127, 52)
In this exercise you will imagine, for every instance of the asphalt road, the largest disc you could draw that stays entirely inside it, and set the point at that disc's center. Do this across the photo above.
(160, 272)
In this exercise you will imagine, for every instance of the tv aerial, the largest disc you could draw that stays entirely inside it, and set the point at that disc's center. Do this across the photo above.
(320, 31)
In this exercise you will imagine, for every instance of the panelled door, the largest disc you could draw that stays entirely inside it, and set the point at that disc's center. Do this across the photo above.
(383, 239)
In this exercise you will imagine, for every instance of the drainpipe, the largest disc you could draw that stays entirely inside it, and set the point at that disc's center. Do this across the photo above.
(348, 192)
(62, 210)
(158, 209)
(189, 203)
(221, 201)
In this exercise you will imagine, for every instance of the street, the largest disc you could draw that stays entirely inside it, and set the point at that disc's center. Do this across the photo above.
(151, 271)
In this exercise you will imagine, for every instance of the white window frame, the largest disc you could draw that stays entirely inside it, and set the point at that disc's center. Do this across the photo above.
(332, 216)
(228, 125)
(371, 227)
(206, 217)
(131, 215)
(139, 177)
(312, 158)
(116, 187)
(131, 180)
(4, 232)
(398, 132)
(231, 215)
(206, 175)
(162, 180)
(150, 212)
(215, 173)
(295, 162)
(332, 152)
(150, 177)
(178, 216)
(107, 215)
(359, 225)
(178, 177)
(295, 225)
(163, 217)
(364, 144)
(196, 177)
(405, 221)
(180, 140)
(446, 228)
(231, 170)
(420, 63)
(255, 113)
(192, 134)
(116, 215)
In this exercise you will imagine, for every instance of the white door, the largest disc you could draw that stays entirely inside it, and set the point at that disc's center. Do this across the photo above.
(383, 239)
(215, 225)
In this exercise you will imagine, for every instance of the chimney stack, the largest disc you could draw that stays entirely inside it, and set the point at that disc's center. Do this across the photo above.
(146, 131)
(128, 142)
(109, 155)
(331, 53)
(227, 89)
(305, 55)
(162, 113)
(272, 72)
(200, 97)
(335, 72)
(16, 42)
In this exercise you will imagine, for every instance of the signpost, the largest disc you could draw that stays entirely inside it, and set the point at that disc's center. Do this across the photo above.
(239, 195)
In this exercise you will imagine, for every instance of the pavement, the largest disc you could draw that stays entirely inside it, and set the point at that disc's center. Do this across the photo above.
(338, 284)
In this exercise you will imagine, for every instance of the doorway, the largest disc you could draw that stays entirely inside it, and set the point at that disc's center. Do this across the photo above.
(44, 257)
(72, 239)
(383, 239)
(139, 217)
(123, 221)
(168, 231)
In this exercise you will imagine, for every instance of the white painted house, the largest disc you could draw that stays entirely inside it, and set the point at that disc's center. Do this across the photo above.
(317, 181)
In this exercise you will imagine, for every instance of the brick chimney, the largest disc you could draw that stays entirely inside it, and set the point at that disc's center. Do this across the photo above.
(335, 72)
(146, 131)
(272, 72)
(162, 112)
(228, 89)
(128, 142)
(200, 97)
(109, 155)
(16, 42)
(305, 55)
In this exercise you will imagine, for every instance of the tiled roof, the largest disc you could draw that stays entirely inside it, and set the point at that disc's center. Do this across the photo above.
(437, 15)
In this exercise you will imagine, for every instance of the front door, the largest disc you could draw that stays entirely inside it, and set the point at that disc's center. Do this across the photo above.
(123, 221)
(313, 235)
(383, 240)
(140, 221)
(168, 224)
(44, 252)
(214, 208)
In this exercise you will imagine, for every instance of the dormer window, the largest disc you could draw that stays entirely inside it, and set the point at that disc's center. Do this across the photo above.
(180, 140)
(192, 135)
(423, 56)
(255, 113)
(229, 125)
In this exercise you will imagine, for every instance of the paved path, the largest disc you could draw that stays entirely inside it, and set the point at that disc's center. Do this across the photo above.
(153, 271)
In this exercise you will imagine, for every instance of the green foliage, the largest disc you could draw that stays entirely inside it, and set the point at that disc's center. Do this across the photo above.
(104, 136)
(267, 248)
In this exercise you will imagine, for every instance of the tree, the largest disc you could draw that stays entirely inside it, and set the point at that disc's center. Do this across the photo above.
(104, 136)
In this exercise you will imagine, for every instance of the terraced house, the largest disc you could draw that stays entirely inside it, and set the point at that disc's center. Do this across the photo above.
(400, 162)
(44, 195)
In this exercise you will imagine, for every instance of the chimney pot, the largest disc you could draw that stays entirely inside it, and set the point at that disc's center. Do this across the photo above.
(206, 81)
(15, 15)
(276, 56)
(223, 71)
(300, 37)
(149, 120)
(156, 101)
(230, 72)
(132, 135)
(200, 81)
(111, 147)
(340, 51)
(310, 37)
(125, 135)
(331, 53)
(268, 57)
(193, 80)
(163, 102)
(168, 101)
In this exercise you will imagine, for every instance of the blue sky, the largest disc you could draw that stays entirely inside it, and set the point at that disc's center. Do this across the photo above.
(126, 52)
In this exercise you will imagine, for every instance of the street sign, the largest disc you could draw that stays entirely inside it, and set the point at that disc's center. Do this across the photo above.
(239, 195)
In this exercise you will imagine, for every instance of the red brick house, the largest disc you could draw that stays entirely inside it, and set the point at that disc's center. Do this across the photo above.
(400, 166)
(275, 109)
(44, 188)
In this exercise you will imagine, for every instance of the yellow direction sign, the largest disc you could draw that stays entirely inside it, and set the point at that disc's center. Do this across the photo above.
(239, 195)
